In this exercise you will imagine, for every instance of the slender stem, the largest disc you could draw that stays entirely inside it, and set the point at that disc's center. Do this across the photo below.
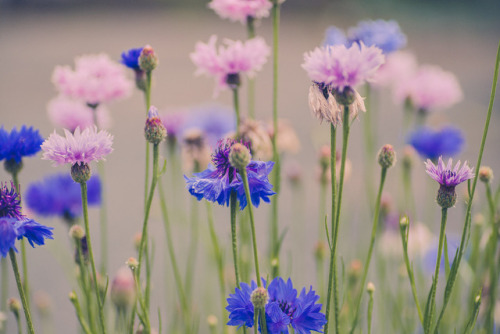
(19, 323)
(236, 103)
(84, 284)
(262, 313)
(80, 317)
(193, 246)
(103, 218)
(232, 204)
(451, 278)
(432, 304)
(370, 142)
(83, 187)
(5, 289)
(491, 252)
(26, 307)
(370, 311)
(332, 272)
(376, 216)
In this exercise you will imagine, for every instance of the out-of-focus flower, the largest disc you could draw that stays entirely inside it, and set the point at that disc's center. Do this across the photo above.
(123, 288)
(96, 79)
(14, 228)
(130, 58)
(335, 36)
(174, 122)
(240, 10)
(431, 144)
(81, 147)
(294, 172)
(325, 173)
(284, 309)
(255, 133)
(430, 88)
(16, 144)
(230, 61)
(216, 183)
(385, 35)
(194, 150)
(420, 240)
(58, 195)
(430, 258)
(398, 67)
(287, 141)
(43, 302)
(70, 114)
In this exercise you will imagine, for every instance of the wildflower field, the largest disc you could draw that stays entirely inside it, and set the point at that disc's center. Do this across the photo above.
(249, 166)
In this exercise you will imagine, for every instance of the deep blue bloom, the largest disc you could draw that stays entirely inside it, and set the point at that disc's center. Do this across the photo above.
(10, 203)
(59, 195)
(335, 36)
(284, 309)
(13, 228)
(130, 58)
(216, 183)
(432, 144)
(18, 144)
(385, 35)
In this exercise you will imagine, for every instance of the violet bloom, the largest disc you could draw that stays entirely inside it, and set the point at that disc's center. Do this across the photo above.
(230, 61)
(240, 10)
(335, 36)
(96, 79)
(82, 147)
(386, 35)
(16, 144)
(216, 183)
(430, 88)
(10, 203)
(432, 144)
(71, 114)
(448, 179)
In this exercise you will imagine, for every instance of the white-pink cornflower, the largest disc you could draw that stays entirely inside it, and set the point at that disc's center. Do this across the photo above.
(80, 147)
(339, 67)
(430, 88)
(96, 79)
(398, 66)
(234, 58)
(70, 114)
(240, 10)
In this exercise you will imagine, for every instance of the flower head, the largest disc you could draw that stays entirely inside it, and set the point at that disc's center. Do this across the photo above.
(386, 35)
(432, 144)
(399, 66)
(240, 10)
(19, 143)
(130, 58)
(10, 203)
(58, 195)
(447, 175)
(231, 60)
(335, 36)
(14, 228)
(216, 183)
(123, 288)
(285, 308)
(81, 147)
(96, 79)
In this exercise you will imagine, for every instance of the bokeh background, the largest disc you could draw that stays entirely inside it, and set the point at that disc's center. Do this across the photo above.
(36, 36)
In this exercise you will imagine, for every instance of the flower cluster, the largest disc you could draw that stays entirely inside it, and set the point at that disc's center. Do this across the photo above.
(19, 143)
(240, 10)
(10, 203)
(432, 144)
(284, 309)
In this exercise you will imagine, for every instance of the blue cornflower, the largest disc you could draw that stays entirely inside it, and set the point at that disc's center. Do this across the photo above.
(284, 308)
(335, 36)
(18, 144)
(10, 203)
(216, 183)
(130, 58)
(13, 228)
(432, 144)
(59, 195)
(385, 35)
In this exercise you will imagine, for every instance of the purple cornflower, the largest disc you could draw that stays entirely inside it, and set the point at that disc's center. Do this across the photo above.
(284, 308)
(216, 183)
(13, 228)
(130, 58)
(432, 144)
(386, 35)
(448, 178)
(81, 147)
(18, 144)
(10, 203)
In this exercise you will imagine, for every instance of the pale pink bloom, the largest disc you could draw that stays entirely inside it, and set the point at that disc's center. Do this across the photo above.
(235, 57)
(398, 66)
(123, 288)
(339, 67)
(239, 10)
(96, 79)
(70, 114)
(430, 88)
(78, 147)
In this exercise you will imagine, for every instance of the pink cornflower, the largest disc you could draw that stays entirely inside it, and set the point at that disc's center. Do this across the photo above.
(399, 66)
(81, 147)
(70, 114)
(96, 79)
(339, 67)
(231, 60)
(240, 10)
(430, 88)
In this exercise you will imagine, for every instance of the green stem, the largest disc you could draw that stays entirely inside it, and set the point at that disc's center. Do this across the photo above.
(491, 251)
(103, 218)
(79, 315)
(370, 140)
(5, 290)
(376, 216)
(451, 278)
(236, 103)
(232, 205)
(84, 285)
(83, 186)
(26, 307)
(332, 272)
(193, 247)
(370, 312)
(429, 314)
(19, 323)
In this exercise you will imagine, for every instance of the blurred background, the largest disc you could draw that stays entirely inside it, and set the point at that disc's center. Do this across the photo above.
(36, 36)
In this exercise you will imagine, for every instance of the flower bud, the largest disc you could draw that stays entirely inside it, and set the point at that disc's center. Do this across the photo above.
(76, 232)
(80, 172)
(408, 154)
(84, 249)
(148, 60)
(387, 156)
(320, 251)
(346, 97)
(354, 271)
(403, 222)
(137, 240)
(212, 321)
(43, 302)
(370, 288)
(12, 166)
(123, 288)
(72, 297)
(485, 174)
(14, 306)
(239, 156)
(259, 298)
(154, 130)
(132, 263)
(446, 197)
(233, 80)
